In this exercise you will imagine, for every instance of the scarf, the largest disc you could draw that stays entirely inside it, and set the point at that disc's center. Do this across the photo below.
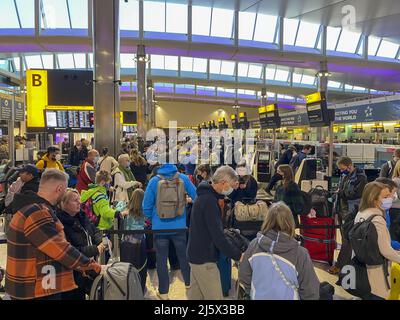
(128, 175)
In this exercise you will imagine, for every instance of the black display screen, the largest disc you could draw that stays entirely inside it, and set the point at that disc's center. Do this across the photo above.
(318, 115)
(69, 120)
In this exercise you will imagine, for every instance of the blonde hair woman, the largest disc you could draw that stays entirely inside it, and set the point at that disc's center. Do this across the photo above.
(83, 235)
(275, 266)
(371, 204)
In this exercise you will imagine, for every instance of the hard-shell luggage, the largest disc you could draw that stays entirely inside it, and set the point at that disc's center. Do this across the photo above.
(320, 241)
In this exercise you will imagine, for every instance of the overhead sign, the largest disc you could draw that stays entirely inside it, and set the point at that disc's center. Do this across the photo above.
(6, 105)
(296, 120)
(317, 109)
(382, 111)
(19, 109)
(56, 89)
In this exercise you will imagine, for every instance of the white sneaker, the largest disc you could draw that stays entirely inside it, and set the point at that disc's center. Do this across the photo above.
(163, 296)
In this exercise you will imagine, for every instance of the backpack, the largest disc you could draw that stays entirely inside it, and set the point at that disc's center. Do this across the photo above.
(362, 287)
(251, 212)
(364, 242)
(121, 281)
(171, 197)
(348, 224)
(87, 208)
(319, 201)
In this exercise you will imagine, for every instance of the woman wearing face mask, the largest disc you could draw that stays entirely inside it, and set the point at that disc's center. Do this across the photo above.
(83, 235)
(124, 181)
(373, 202)
(203, 173)
(391, 205)
(101, 204)
(51, 160)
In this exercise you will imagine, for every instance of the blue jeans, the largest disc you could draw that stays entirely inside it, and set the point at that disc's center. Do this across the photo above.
(161, 244)
(225, 271)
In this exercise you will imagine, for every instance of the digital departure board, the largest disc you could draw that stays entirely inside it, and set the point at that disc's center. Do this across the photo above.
(69, 120)
(317, 110)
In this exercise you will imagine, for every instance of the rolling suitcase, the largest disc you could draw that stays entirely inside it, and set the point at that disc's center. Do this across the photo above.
(321, 240)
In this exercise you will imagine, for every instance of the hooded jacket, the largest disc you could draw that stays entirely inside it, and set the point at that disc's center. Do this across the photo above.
(150, 199)
(36, 245)
(206, 235)
(86, 175)
(260, 278)
(47, 163)
(101, 206)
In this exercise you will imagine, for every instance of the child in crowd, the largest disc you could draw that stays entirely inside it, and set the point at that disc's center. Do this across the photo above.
(133, 246)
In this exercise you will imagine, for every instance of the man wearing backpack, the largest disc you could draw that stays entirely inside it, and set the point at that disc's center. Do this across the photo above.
(351, 186)
(388, 167)
(297, 159)
(164, 204)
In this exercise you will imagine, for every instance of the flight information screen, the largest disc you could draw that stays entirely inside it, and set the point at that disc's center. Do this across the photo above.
(71, 120)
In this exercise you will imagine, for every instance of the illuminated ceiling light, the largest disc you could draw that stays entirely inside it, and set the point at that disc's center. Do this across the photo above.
(141, 59)
(323, 73)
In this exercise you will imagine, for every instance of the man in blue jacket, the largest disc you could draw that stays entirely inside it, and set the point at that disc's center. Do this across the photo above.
(161, 240)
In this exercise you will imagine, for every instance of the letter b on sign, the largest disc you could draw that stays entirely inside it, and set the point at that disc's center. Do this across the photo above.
(36, 80)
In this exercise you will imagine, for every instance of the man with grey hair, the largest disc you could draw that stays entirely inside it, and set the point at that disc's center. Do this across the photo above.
(40, 261)
(206, 236)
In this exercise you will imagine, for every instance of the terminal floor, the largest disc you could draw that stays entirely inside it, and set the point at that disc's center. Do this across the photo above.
(178, 291)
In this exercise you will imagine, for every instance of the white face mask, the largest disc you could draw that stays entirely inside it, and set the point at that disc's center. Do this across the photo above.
(58, 157)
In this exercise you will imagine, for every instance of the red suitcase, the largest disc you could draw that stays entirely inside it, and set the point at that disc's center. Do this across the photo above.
(321, 241)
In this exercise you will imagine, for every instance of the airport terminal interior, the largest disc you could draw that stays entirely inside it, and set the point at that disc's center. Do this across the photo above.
(251, 142)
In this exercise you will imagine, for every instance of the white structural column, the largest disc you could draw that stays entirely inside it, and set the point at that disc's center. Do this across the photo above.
(106, 47)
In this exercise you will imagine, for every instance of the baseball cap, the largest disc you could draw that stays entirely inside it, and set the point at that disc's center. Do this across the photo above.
(30, 168)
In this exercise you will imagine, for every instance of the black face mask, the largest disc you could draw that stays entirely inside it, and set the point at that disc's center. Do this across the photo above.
(199, 177)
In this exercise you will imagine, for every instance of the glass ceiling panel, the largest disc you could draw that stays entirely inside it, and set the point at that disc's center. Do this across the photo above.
(281, 75)
(66, 61)
(297, 77)
(201, 20)
(127, 60)
(355, 88)
(186, 64)
(215, 66)
(154, 16)
(289, 31)
(270, 73)
(255, 71)
(199, 65)
(157, 61)
(388, 49)
(34, 62)
(171, 63)
(78, 10)
(310, 80)
(373, 43)
(26, 11)
(17, 64)
(307, 35)
(222, 23)
(243, 69)
(55, 14)
(129, 15)
(80, 60)
(10, 19)
(177, 16)
(228, 68)
(265, 28)
(348, 41)
(47, 61)
(246, 25)
(332, 38)
(91, 60)
(334, 84)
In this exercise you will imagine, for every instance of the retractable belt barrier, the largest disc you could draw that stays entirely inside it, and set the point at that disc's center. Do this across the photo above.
(126, 232)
